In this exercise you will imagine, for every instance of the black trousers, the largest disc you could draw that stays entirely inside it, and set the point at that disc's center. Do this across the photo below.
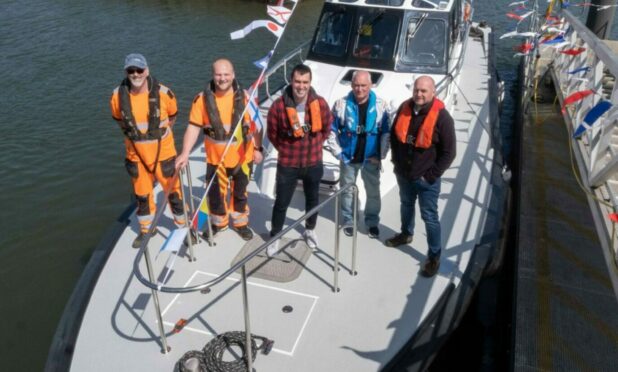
(286, 181)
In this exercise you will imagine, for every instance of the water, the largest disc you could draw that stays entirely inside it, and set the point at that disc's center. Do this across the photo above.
(62, 180)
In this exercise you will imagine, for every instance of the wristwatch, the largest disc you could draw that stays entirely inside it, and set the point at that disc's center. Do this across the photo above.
(260, 149)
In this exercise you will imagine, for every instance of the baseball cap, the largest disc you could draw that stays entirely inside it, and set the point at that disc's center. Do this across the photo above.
(135, 60)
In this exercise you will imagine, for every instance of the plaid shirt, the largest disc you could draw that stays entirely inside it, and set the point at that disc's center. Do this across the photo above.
(295, 152)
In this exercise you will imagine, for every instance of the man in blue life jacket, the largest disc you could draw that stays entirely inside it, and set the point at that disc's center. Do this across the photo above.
(359, 138)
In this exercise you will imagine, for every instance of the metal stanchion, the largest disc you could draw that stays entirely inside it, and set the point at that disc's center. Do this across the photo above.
(245, 301)
(166, 349)
(187, 223)
(355, 228)
(336, 268)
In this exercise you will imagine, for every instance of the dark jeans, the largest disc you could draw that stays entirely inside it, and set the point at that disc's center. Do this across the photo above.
(427, 194)
(286, 181)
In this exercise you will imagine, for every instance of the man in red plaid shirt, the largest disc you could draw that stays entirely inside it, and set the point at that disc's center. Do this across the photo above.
(298, 124)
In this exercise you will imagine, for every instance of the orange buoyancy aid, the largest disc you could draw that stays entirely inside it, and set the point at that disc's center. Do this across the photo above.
(314, 110)
(216, 128)
(425, 132)
(218, 131)
(128, 123)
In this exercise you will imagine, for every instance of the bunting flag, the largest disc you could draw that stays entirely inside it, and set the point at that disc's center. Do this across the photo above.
(592, 116)
(241, 160)
(201, 217)
(280, 14)
(263, 62)
(524, 48)
(552, 39)
(271, 26)
(573, 51)
(514, 16)
(254, 113)
(577, 96)
(174, 240)
(603, 7)
(578, 70)
(519, 34)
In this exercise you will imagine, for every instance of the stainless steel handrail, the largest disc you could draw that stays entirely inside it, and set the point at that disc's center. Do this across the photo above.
(242, 265)
(283, 63)
(238, 265)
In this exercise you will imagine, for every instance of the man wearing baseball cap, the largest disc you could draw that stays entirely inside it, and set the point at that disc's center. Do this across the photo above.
(146, 110)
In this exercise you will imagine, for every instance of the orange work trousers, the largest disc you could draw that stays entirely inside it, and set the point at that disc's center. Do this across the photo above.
(238, 207)
(143, 185)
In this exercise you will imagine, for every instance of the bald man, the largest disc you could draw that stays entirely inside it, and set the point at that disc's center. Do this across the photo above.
(359, 139)
(216, 111)
(423, 147)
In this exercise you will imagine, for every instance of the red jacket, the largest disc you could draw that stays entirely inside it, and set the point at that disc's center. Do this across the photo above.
(297, 152)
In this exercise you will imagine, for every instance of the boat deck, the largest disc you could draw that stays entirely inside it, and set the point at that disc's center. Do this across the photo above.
(361, 328)
(566, 309)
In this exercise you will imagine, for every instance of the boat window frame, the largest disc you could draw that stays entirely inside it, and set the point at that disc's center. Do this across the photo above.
(404, 66)
(347, 58)
(329, 58)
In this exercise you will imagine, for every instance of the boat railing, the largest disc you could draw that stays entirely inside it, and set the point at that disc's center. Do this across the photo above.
(591, 72)
(156, 287)
(278, 73)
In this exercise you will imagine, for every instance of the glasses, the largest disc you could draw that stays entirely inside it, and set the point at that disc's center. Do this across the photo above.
(132, 70)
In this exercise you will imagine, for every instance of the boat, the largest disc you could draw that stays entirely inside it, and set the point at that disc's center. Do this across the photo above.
(352, 304)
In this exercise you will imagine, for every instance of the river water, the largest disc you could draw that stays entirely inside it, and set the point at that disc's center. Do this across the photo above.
(62, 179)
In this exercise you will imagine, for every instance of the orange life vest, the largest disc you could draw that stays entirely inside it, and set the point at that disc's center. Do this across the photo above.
(314, 110)
(425, 132)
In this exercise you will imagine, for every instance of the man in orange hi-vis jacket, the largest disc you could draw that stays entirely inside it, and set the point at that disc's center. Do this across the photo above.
(216, 111)
(145, 111)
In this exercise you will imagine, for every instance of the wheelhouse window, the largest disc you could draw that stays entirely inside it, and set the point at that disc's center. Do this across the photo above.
(333, 32)
(376, 35)
(425, 43)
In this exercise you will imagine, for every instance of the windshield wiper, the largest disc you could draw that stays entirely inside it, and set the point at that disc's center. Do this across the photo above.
(417, 26)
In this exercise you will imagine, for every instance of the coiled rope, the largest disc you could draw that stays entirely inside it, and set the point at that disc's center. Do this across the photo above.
(210, 359)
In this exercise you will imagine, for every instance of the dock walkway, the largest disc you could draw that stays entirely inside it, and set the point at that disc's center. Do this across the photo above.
(566, 266)
(566, 312)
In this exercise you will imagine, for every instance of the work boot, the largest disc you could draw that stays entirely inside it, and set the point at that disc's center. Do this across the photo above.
(430, 267)
(311, 239)
(348, 230)
(245, 232)
(215, 231)
(374, 232)
(397, 240)
(140, 238)
(272, 248)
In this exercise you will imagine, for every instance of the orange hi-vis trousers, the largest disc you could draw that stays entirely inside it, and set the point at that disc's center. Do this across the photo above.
(238, 208)
(143, 184)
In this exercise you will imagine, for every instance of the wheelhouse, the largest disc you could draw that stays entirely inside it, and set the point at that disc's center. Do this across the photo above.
(394, 35)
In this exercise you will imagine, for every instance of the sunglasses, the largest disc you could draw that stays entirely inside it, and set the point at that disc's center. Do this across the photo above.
(132, 70)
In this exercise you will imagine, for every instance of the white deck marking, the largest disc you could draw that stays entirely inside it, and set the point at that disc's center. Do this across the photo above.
(280, 351)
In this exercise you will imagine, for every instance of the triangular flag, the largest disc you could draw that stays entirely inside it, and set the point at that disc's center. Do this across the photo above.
(573, 51)
(263, 62)
(577, 70)
(572, 98)
(592, 116)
